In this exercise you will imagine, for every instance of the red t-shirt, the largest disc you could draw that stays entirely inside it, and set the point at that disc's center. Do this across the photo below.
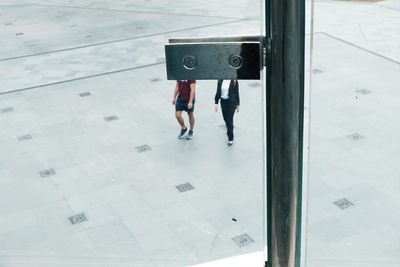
(184, 89)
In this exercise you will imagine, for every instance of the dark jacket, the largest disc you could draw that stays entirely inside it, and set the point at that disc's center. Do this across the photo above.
(233, 93)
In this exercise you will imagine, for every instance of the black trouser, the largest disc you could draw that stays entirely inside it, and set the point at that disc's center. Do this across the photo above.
(228, 110)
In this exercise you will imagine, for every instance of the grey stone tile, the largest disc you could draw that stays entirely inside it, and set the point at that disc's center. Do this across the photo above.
(108, 233)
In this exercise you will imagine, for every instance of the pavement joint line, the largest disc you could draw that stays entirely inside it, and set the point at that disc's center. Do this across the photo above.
(387, 7)
(359, 47)
(120, 40)
(80, 78)
(14, 5)
(132, 11)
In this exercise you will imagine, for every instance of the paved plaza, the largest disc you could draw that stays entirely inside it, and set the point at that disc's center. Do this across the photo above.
(92, 172)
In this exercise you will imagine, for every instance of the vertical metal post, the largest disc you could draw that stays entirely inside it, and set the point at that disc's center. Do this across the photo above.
(285, 24)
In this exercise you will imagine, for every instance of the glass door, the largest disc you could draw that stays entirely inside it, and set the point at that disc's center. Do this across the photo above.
(91, 168)
(354, 183)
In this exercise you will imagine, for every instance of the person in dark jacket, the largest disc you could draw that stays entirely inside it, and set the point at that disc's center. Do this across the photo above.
(228, 93)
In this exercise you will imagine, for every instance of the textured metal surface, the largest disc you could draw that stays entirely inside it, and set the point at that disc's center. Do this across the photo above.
(208, 61)
(217, 39)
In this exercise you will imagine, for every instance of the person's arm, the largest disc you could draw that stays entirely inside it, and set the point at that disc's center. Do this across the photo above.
(217, 95)
(237, 96)
(175, 93)
(192, 94)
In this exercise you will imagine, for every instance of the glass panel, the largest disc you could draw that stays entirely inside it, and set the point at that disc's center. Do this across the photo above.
(91, 170)
(354, 182)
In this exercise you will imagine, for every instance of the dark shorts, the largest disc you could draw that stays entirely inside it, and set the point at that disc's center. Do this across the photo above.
(181, 105)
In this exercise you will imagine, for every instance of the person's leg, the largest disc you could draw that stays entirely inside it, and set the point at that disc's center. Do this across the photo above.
(227, 114)
(179, 118)
(191, 120)
(229, 121)
(224, 109)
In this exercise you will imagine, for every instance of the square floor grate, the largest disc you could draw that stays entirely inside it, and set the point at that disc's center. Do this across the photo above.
(363, 91)
(5, 110)
(47, 173)
(243, 240)
(85, 94)
(343, 203)
(142, 148)
(78, 218)
(184, 187)
(317, 71)
(24, 137)
(111, 118)
(255, 84)
(356, 136)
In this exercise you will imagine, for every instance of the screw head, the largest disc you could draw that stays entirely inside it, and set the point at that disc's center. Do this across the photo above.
(189, 62)
(235, 61)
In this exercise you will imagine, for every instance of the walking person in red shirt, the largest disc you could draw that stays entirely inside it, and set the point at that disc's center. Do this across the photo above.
(183, 100)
